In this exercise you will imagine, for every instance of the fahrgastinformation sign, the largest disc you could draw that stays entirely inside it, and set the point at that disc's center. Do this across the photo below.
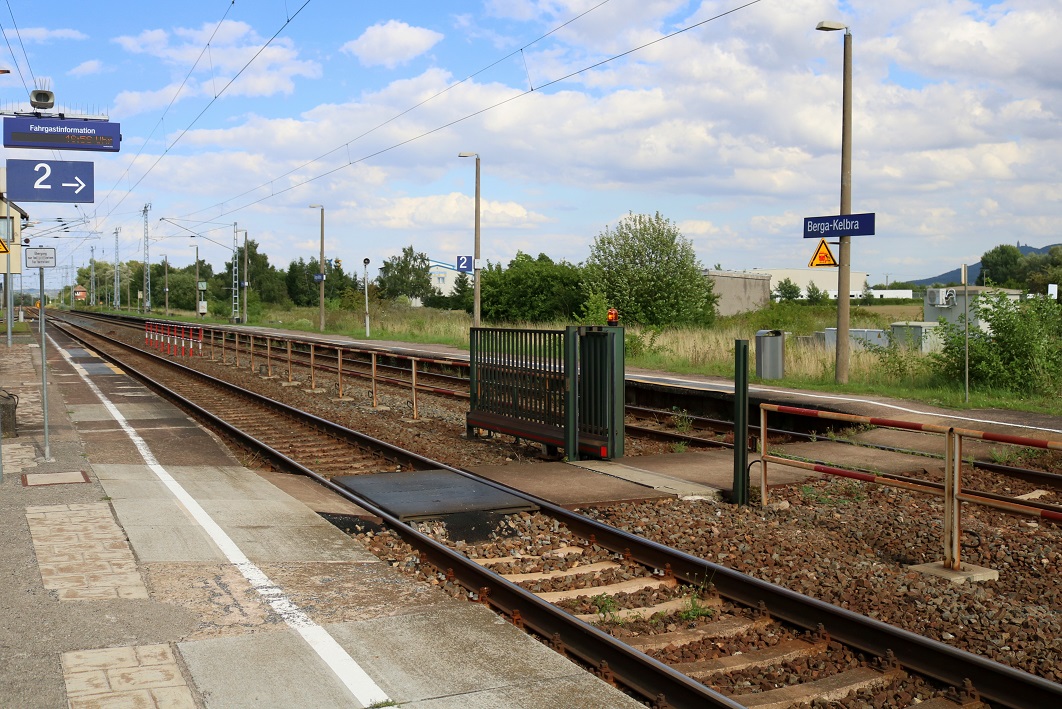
(62, 134)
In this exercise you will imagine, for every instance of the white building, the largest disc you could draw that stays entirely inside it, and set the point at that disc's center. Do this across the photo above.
(823, 278)
(443, 276)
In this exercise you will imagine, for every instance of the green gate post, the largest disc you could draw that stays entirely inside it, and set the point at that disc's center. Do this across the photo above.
(741, 423)
(571, 394)
(619, 391)
(473, 375)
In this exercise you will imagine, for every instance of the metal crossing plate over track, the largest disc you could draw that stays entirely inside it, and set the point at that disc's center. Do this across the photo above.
(429, 494)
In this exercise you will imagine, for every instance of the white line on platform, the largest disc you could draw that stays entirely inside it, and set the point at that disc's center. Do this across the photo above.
(349, 672)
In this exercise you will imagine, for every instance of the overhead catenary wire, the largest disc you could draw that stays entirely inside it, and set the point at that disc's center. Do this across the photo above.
(173, 99)
(209, 104)
(392, 119)
(449, 124)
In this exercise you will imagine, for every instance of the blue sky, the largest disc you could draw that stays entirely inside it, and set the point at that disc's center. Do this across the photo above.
(731, 129)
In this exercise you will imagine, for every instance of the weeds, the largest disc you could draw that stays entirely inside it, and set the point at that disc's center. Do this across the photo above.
(694, 609)
(836, 494)
(606, 606)
(681, 420)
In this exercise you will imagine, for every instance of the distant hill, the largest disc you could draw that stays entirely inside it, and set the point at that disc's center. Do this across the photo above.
(973, 271)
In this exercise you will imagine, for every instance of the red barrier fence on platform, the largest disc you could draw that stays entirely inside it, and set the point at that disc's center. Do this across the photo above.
(174, 339)
(952, 492)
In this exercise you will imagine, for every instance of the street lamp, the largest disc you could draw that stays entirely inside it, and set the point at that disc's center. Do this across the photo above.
(844, 274)
(322, 280)
(365, 262)
(475, 256)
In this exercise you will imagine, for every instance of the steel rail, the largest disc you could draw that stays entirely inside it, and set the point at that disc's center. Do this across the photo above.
(997, 682)
(641, 673)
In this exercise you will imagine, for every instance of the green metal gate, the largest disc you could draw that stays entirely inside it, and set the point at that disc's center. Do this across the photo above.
(562, 388)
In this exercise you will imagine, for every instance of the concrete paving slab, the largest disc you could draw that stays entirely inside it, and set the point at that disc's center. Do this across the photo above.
(171, 543)
(657, 481)
(98, 412)
(412, 658)
(264, 544)
(568, 692)
(312, 494)
(565, 485)
(107, 472)
(146, 489)
(266, 669)
(278, 513)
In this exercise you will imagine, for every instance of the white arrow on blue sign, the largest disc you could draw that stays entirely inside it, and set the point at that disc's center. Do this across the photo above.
(50, 181)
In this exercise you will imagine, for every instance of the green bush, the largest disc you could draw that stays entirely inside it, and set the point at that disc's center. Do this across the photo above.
(1020, 352)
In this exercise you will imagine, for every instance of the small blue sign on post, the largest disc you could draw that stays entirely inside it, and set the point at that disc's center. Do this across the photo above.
(50, 181)
(841, 225)
(465, 264)
(318, 277)
(62, 134)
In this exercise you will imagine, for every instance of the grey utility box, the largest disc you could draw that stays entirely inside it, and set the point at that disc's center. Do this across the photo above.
(770, 354)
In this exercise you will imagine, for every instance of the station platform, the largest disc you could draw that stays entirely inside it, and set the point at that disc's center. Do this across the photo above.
(143, 566)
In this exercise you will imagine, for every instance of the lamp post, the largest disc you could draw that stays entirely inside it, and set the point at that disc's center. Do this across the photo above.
(321, 282)
(475, 256)
(365, 262)
(844, 273)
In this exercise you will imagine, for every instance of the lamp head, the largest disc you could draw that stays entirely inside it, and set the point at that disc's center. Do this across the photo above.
(468, 155)
(831, 25)
(316, 206)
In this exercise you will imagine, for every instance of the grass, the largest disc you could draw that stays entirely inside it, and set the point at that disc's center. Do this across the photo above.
(703, 351)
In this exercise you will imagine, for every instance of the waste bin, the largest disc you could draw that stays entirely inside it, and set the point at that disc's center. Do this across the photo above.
(770, 354)
(8, 404)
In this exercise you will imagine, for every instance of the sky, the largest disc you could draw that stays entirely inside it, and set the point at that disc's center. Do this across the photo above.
(724, 117)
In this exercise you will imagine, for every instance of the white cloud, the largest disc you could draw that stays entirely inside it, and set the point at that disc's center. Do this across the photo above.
(391, 44)
(42, 35)
(234, 48)
(449, 211)
(86, 68)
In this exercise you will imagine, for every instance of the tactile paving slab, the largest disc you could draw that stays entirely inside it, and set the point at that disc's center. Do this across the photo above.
(426, 494)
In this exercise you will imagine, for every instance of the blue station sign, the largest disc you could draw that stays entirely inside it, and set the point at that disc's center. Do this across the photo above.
(841, 225)
(62, 134)
(50, 181)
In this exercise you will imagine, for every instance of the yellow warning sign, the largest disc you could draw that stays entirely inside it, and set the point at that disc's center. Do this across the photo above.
(823, 256)
(3, 247)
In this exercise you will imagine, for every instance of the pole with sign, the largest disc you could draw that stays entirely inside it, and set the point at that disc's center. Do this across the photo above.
(43, 258)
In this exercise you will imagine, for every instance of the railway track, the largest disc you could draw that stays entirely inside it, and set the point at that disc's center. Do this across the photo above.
(442, 377)
(695, 589)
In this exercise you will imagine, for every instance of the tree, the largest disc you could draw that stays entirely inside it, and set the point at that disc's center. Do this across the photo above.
(647, 270)
(531, 290)
(408, 274)
(1018, 352)
(1001, 266)
(299, 280)
(786, 291)
(815, 295)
